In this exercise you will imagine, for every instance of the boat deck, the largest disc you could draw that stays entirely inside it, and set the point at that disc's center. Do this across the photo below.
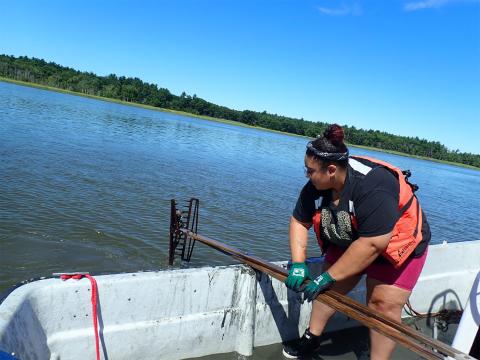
(348, 344)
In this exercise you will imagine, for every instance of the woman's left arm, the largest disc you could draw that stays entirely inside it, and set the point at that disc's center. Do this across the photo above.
(358, 256)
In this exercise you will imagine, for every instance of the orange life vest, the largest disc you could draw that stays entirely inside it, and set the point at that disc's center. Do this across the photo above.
(407, 232)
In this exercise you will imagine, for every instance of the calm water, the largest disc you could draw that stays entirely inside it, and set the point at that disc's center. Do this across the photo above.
(86, 185)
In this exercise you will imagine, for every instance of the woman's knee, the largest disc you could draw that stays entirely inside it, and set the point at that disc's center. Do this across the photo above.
(391, 309)
(387, 299)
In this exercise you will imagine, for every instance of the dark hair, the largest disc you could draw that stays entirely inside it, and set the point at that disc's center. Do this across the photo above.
(331, 146)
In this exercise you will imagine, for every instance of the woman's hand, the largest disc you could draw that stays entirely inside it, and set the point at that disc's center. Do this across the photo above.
(320, 284)
(297, 276)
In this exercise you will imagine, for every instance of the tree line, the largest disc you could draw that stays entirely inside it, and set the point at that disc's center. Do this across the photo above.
(135, 90)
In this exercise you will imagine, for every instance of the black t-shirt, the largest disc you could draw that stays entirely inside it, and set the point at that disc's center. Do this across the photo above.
(375, 199)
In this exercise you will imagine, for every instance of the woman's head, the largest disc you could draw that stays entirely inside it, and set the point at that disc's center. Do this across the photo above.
(326, 157)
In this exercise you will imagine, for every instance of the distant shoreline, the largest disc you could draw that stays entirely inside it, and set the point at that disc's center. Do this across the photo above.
(203, 117)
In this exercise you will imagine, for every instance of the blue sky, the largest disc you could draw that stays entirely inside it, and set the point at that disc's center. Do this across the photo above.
(408, 67)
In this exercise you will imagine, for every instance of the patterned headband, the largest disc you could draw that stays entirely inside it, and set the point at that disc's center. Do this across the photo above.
(328, 156)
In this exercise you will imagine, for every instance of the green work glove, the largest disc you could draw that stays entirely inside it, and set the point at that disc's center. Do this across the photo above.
(297, 275)
(315, 287)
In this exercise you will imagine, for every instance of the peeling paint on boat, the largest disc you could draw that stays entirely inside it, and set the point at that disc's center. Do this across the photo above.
(184, 313)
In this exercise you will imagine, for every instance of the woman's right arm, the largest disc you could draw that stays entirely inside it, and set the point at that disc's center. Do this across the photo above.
(298, 239)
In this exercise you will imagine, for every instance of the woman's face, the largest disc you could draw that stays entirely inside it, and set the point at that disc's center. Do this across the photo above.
(322, 179)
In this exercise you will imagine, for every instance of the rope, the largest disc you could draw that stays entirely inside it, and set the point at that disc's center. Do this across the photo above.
(412, 312)
(94, 299)
(443, 318)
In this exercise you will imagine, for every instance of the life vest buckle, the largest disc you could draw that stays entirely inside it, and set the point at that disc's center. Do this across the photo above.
(407, 173)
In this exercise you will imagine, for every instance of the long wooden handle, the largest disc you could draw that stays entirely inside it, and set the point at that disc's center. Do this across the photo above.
(414, 340)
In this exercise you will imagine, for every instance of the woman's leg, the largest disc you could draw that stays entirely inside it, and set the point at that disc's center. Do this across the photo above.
(389, 300)
(321, 313)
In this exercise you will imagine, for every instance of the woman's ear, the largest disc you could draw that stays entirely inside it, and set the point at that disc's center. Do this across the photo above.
(331, 169)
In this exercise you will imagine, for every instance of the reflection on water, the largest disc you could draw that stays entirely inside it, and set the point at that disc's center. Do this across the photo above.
(86, 186)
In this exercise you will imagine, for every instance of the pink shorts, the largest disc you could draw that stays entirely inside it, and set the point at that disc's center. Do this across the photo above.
(404, 277)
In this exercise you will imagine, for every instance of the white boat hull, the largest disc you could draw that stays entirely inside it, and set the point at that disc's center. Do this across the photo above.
(176, 314)
(468, 329)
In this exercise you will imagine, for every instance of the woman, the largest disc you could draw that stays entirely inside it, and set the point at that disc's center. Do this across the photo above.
(367, 221)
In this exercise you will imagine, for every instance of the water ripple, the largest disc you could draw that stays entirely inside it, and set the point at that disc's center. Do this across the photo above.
(86, 186)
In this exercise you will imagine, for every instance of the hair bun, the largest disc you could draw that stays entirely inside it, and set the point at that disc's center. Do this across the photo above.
(334, 133)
